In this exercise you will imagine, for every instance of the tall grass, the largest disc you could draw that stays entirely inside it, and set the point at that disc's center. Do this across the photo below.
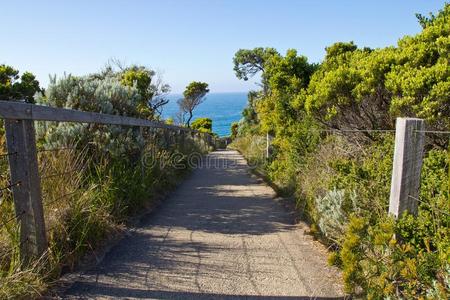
(88, 195)
(342, 187)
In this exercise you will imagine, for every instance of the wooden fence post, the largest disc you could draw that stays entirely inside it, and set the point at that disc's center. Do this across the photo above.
(408, 154)
(181, 140)
(26, 187)
(165, 137)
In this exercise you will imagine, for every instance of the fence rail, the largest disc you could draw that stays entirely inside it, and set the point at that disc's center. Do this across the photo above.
(25, 111)
(19, 120)
(407, 161)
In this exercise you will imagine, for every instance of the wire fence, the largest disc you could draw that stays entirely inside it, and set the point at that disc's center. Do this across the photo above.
(62, 182)
(362, 150)
(62, 170)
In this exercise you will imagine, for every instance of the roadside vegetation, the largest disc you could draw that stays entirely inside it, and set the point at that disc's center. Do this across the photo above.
(341, 179)
(94, 177)
(202, 125)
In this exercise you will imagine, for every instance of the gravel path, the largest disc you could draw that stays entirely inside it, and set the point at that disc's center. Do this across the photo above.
(219, 236)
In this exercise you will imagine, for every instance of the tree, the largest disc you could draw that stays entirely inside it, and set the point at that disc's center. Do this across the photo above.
(367, 89)
(15, 87)
(234, 130)
(194, 95)
(202, 125)
(248, 62)
(287, 77)
(150, 87)
(339, 48)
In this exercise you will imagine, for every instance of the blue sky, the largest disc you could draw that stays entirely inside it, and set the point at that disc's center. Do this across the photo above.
(190, 39)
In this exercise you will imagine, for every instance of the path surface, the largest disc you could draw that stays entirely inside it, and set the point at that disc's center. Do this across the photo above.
(219, 236)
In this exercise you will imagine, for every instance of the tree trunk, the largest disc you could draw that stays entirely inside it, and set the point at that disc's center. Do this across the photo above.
(189, 119)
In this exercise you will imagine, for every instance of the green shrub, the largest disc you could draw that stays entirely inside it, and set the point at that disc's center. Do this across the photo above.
(202, 125)
(104, 175)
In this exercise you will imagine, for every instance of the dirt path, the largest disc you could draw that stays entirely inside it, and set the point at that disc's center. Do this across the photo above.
(219, 236)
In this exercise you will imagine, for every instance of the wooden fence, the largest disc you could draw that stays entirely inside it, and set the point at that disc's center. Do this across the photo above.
(407, 164)
(19, 120)
(25, 180)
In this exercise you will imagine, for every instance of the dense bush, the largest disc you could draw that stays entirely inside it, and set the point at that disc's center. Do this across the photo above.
(202, 125)
(94, 177)
(341, 180)
(15, 87)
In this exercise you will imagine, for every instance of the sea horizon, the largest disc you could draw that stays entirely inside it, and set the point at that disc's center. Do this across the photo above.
(223, 108)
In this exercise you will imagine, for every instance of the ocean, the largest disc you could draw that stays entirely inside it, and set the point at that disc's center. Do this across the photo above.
(222, 108)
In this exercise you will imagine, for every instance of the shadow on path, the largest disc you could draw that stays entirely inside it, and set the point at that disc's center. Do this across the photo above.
(107, 290)
(220, 235)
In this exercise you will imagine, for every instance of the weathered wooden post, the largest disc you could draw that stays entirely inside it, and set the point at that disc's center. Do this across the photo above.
(166, 137)
(408, 154)
(26, 188)
(181, 140)
(209, 140)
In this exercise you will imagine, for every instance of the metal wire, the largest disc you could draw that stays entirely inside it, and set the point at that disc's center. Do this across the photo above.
(10, 186)
(429, 205)
(375, 130)
(432, 131)
(7, 253)
(7, 154)
(13, 218)
(353, 130)
(55, 149)
(61, 197)
(59, 174)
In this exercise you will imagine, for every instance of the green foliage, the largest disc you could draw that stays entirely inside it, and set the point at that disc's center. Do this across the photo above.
(370, 258)
(333, 213)
(115, 172)
(249, 62)
(338, 49)
(150, 88)
(108, 92)
(420, 82)
(202, 125)
(193, 96)
(341, 181)
(234, 130)
(170, 121)
(252, 147)
(133, 91)
(363, 88)
(15, 87)
(348, 92)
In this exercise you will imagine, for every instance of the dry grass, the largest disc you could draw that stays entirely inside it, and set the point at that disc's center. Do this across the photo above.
(85, 203)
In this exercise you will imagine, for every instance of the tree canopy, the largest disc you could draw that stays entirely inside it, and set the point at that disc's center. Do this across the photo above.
(363, 88)
(15, 87)
(249, 62)
(354, 88)
(150, 87)
(193, 96)
(202, 125)
(340, 180)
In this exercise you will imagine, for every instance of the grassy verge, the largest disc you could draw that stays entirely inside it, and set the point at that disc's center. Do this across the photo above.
(342, 189)
(89, 194)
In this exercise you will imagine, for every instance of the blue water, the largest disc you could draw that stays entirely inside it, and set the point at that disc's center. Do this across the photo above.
(222, 108)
